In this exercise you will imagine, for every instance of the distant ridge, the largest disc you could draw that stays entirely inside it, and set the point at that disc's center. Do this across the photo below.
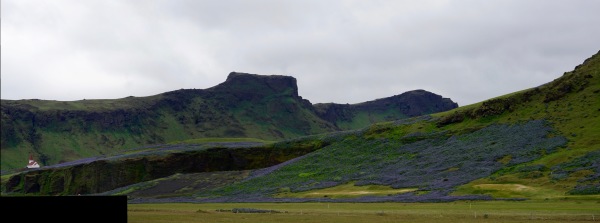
(405, 105)
(244, 105)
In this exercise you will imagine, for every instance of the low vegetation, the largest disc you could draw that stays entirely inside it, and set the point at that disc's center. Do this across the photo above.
(349, 190)
(547, 211)
(434, 162)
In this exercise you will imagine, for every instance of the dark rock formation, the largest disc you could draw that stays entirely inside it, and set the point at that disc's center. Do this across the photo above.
(408, 104)
(254, 87)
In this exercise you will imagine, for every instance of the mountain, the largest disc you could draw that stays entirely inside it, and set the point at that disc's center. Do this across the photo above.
(538, 143)
(406, 105)
(265, 107)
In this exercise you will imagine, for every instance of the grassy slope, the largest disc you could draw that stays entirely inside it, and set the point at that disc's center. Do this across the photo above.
(574, 116)
(363, 118)
(569, 105)
(62, 131)
(393, 154)
(74, 142)
(59, 147)
(349, 190)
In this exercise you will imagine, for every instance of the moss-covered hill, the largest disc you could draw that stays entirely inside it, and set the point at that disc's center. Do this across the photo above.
(542, 142)
(245, 105)
(538, 143)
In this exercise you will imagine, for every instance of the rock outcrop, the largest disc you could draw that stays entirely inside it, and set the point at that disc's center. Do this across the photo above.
(408, 104)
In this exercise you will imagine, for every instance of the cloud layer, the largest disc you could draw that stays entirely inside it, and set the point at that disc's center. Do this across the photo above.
(339, 51)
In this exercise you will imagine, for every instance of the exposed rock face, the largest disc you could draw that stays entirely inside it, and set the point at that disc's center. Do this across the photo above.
(104, 175)
(249, 86)
(268, 90)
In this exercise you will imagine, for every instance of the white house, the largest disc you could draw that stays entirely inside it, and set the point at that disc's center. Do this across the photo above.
(32, 163)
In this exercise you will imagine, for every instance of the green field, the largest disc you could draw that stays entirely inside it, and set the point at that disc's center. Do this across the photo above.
(564, 210)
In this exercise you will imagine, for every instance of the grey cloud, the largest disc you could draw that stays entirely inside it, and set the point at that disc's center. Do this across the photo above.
(339, 51)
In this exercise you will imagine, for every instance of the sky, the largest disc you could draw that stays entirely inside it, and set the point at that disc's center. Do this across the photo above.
(338, 51)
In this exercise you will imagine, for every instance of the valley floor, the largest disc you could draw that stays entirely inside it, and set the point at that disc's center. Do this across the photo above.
(565, 210)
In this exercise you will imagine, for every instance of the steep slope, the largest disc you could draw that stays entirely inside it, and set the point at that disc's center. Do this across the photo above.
(571, 103)
(245, 105)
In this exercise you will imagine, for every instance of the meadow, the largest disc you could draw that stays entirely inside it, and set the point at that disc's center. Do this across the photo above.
(548, 211)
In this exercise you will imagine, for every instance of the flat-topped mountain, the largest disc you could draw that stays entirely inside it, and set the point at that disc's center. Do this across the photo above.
(248, 86)
(246, 105)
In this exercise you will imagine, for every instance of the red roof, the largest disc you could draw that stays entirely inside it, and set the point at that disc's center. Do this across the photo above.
(32, 163)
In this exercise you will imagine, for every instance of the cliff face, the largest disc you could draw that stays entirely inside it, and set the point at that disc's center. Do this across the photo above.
(245, 105)
(102, 175)
(253, 86)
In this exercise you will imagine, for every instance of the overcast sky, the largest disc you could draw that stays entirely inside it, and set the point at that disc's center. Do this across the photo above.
(338, 51)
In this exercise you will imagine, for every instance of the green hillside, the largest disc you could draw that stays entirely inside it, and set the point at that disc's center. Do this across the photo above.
(266, 107)
(538, 143)
(542, 142)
